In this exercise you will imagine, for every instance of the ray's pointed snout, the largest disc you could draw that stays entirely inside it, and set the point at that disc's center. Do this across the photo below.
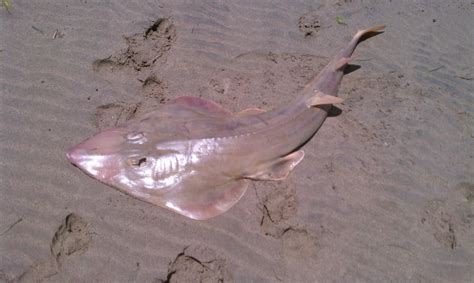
(104, 143)
(100, 155)
(80, 151)
(74, 154)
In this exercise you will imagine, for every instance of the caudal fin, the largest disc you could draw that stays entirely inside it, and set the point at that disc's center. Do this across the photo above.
(358, 37)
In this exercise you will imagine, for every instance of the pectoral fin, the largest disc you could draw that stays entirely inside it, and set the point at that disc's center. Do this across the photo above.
(278, 169)
(198, 200)
(323, 99)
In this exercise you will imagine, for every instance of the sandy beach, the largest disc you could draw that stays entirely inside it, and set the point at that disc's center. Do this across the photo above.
(385, 192)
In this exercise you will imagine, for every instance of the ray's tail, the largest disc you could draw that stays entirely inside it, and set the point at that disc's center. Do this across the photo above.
(322, 90)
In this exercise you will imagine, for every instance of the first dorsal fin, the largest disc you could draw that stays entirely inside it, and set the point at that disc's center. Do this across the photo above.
(250, 111)
(201, 105)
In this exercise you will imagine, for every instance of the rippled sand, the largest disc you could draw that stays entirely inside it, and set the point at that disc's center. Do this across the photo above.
(386, 189)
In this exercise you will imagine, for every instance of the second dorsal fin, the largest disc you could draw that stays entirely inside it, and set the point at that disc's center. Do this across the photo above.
(320, 98)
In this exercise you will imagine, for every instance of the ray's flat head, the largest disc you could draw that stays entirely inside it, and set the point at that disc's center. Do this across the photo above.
(112, 156)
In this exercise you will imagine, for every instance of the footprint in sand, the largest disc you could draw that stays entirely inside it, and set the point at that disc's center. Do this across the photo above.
(311, 23)
(143, 49)
(155, 88)
(450, 219)
(112, 114)
(279, 204)
(137, 60)
(298, 243)
(72, 237)
(198, 264)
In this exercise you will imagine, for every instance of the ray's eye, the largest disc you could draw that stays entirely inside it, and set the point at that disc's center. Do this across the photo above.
(139, 162)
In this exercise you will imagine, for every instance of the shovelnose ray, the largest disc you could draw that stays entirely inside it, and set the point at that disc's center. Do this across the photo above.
(194, 157)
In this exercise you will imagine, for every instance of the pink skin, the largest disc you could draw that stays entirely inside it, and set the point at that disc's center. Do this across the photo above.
(97, 156)
(195, 158)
